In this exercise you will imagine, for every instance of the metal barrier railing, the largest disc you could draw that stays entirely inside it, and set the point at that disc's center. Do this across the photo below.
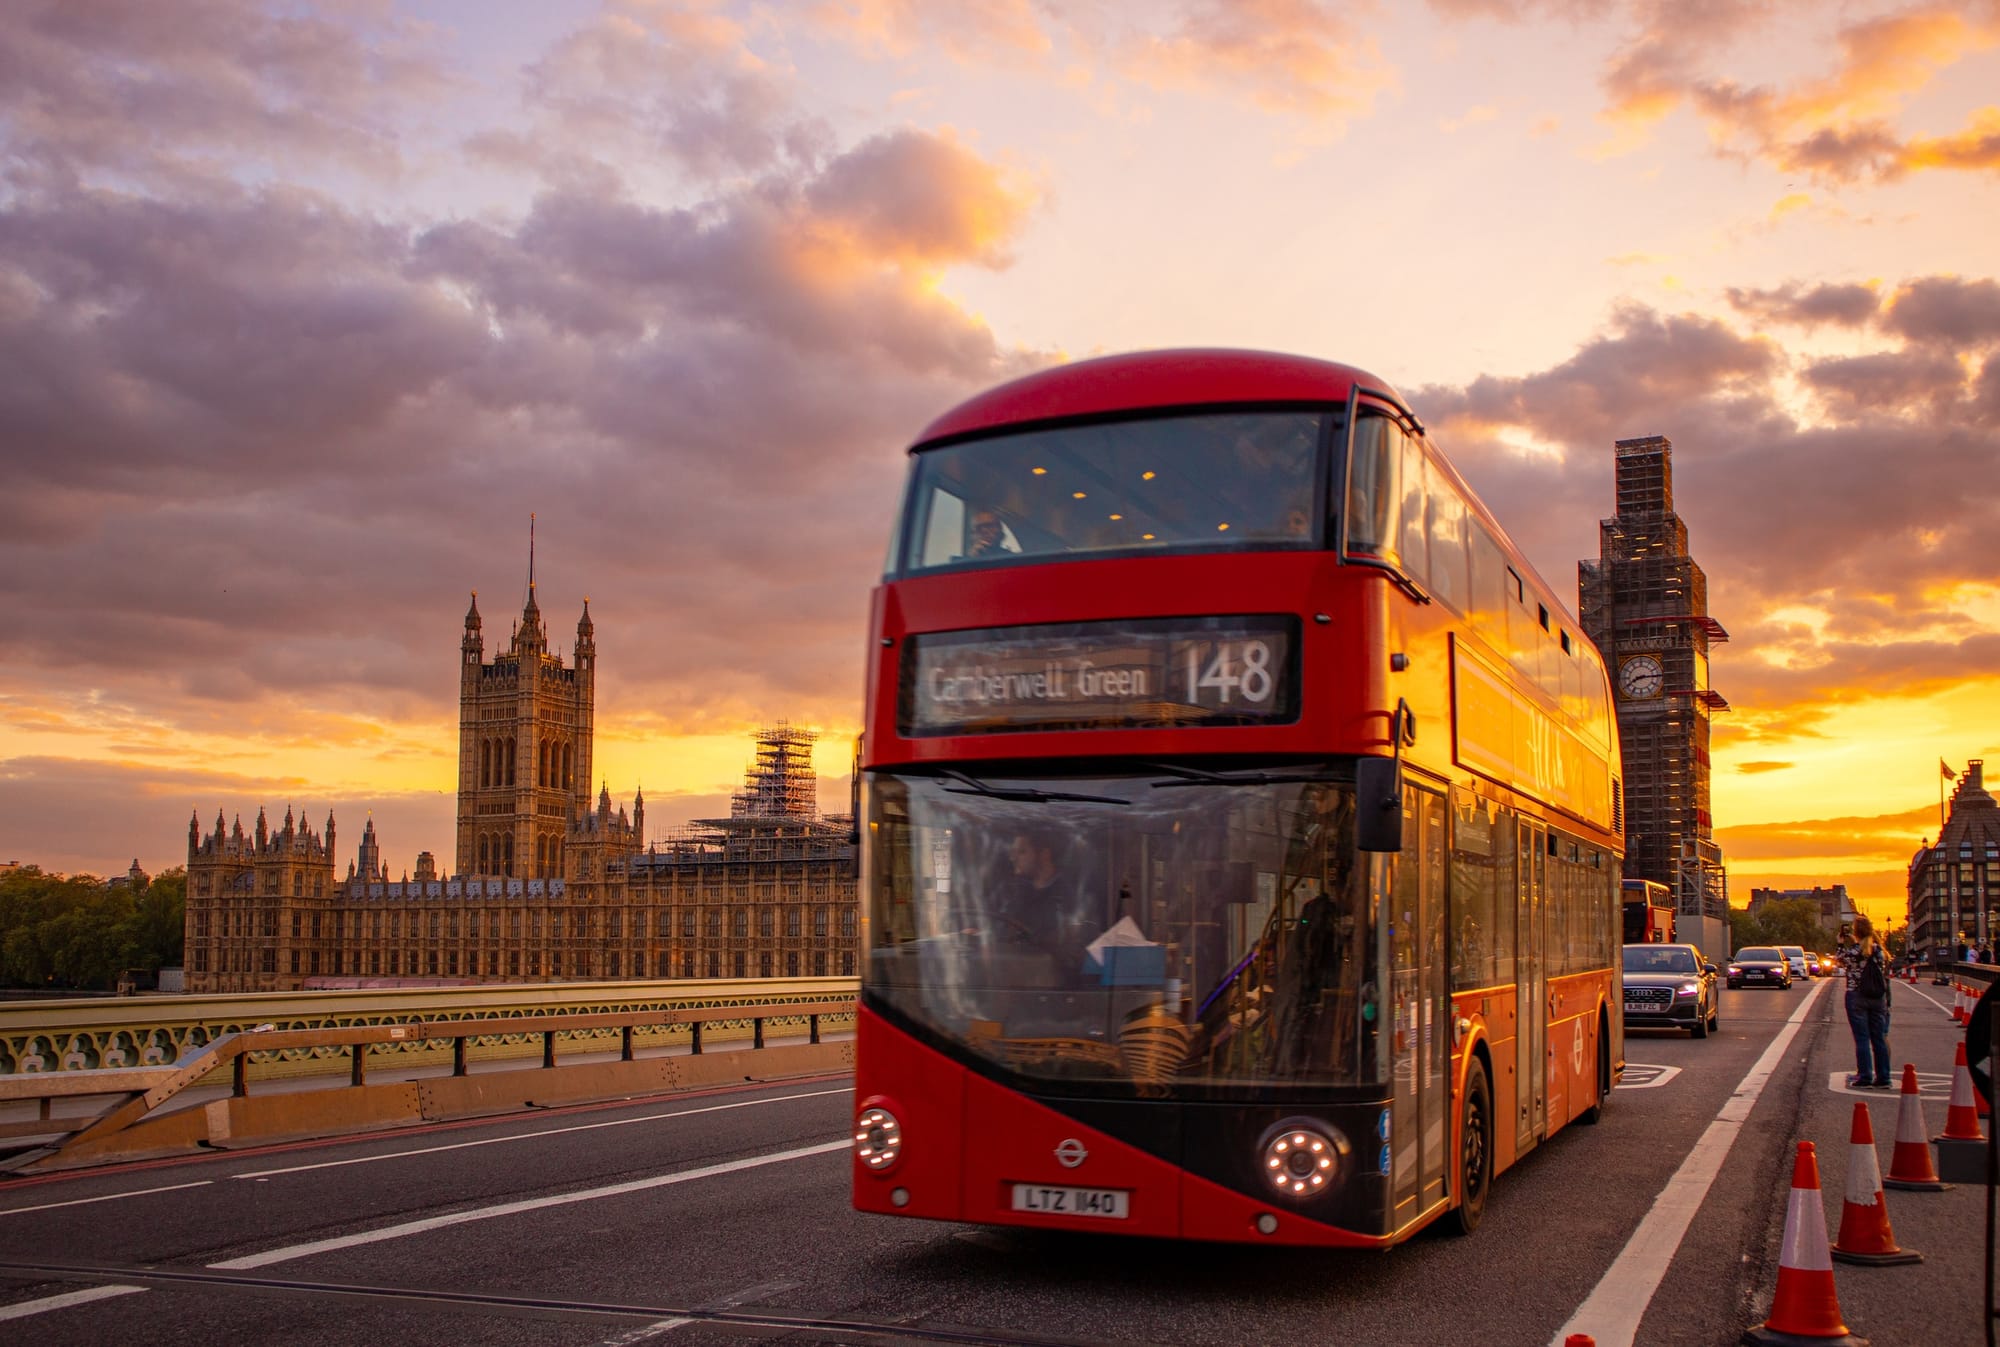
(111, 1032)
(137, 1093)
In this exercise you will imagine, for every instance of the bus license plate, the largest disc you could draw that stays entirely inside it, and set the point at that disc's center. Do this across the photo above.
(1114, 1203)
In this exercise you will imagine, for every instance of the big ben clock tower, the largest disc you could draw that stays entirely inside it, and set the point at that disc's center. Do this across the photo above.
(1645, 602)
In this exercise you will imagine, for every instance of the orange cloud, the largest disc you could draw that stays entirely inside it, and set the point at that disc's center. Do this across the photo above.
(1286, 56)
(1838, 127)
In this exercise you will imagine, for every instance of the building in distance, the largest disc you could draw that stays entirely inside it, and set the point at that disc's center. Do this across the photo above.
(1834, 906)
(1954, 886)
(549, 885)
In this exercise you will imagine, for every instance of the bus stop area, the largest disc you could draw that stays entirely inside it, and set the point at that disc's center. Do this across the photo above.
(1943, 1298)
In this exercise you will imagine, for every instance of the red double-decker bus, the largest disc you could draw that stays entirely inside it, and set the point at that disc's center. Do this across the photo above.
(1240, 819)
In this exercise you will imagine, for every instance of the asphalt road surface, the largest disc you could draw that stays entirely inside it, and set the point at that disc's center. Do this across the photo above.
(724, 1218)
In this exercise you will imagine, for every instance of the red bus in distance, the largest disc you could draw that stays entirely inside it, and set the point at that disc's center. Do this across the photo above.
(1239, 814)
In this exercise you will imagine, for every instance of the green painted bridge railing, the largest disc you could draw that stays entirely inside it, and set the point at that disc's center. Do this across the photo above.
(156, 1031)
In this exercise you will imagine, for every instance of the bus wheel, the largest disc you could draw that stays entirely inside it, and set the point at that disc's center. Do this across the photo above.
(1475, 1152)
(1594, 1115)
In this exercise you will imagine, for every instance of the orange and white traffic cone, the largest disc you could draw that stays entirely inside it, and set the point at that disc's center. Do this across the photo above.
(1958, 1012)
(1865, 1236)
(1805, 1309)
(1961, 1118)
(1910, 1164)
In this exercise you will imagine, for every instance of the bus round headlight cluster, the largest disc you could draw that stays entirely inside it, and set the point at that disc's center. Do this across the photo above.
(878, 1138)
(1302, 1158)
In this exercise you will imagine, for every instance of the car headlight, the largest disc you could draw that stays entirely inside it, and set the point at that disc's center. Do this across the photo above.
(1687, 989)
(878, 1138)
(1301, 1157)
(1736, 970)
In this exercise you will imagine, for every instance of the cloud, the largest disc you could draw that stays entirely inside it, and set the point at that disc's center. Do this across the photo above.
(1307, 60)
(1839, 127)
(1843, 305)
(1293, 57)
(261, 442)
(1947, 310)
(1758, 768)
(1869, 837)
(639, 80)
(164, 94)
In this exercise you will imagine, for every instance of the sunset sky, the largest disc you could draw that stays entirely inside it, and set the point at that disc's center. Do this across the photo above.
(305, 307)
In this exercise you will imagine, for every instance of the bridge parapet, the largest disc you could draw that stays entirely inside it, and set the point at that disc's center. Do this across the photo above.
(114, 1032)
(140, 1117)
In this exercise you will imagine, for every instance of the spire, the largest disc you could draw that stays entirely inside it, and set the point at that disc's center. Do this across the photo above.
(472, 622)
(263, 829)
(531, 611)
(194, 830)
(585, 628)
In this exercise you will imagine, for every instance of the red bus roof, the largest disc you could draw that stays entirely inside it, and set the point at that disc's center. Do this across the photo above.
(1142, 379)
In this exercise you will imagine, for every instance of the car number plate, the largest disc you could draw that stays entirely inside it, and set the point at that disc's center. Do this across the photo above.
(1637, 1007)
(1113, 1203)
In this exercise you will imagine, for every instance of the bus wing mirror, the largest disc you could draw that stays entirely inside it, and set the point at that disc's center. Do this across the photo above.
(1378, 804)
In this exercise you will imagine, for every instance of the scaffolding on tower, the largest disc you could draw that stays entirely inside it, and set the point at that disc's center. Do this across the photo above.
(781, 782)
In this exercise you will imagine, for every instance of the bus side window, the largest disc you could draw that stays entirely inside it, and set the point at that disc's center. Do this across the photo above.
(1448, 558)
(1413, 545)
(944, 529)
(1371, 488)
(1488, 605)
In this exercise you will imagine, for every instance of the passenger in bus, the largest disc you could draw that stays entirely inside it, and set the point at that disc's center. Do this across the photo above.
(986, 536)
(1034, 909)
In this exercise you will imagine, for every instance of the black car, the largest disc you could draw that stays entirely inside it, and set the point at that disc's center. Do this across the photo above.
(1670, 987)
(1760, 966)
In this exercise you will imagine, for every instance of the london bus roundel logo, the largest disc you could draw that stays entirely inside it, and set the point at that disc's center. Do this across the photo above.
(1070, 1153)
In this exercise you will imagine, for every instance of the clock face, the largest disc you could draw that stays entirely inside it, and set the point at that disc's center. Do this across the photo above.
(1641, 676)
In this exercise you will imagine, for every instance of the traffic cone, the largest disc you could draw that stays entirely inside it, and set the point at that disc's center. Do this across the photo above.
(1910, 1165)
(1806, 1308)
(1958, 1012)
(1961, 1118)
(1865, 1236)
(1579, 1340)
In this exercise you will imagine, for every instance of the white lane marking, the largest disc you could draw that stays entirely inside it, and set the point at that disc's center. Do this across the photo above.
(108, 1197)
(1612, 1311)
(1646, 1076)
(1911, 986)
(529, 1136)
(1930, 1084)
(644, 1332)
(291, 1251)
(24, 1308)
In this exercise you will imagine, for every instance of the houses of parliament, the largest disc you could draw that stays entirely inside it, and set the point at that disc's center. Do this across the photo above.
(546, 884)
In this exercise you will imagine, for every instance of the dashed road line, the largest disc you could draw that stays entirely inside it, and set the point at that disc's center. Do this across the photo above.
(289, 1252)
(23, 1309)
(530, 1136)
(108, 1197)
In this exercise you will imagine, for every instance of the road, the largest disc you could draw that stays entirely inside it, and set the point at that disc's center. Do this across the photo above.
(724, 1218)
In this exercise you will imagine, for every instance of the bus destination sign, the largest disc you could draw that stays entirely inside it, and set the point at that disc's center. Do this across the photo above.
(1151, 672)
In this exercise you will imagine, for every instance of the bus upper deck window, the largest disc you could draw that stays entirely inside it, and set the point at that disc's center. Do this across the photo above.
(1373, 493)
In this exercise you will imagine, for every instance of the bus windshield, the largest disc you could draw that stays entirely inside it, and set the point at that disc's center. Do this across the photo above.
(1164, 930)
(1211, 481)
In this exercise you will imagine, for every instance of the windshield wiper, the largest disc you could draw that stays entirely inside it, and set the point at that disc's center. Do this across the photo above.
(972, 785)
(1195, 776)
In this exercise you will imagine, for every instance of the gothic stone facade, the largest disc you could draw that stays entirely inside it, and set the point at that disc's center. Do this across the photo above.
(547, 887)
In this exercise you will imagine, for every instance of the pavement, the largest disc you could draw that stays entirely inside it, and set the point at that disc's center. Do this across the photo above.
(1939, 1302)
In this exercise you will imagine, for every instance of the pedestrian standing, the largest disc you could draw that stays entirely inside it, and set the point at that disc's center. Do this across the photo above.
(1864, 962)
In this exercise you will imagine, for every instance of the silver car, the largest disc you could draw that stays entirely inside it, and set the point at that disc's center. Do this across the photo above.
(1795, 956)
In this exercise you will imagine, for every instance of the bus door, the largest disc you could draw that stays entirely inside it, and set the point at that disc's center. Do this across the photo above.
(1531, 991)
(1420, 1040)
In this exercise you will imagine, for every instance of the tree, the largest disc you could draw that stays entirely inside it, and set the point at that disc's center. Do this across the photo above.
(80, 932)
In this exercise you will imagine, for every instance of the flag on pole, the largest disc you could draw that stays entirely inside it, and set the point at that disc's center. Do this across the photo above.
(1949, 775)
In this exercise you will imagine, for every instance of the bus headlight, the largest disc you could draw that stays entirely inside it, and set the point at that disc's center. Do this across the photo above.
(878, 1138)
(1302, 1157)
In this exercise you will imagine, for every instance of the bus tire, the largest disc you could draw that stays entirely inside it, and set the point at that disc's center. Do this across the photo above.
(1475, 1152)
(1594, 1115)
